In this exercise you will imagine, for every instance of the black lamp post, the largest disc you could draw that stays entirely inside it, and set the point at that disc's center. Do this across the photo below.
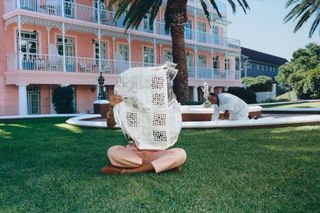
(101, 94)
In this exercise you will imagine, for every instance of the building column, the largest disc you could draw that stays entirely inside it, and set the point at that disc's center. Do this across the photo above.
(196, 61)
(195, 94)
(155, 51)
(130, 59)
(99, 17)
(23, 107)
(64, 46)
(52, 109)
(48, 35)
(97, 92)
(19, 44)
(113, 47)
(195, 24)
(62, 8)
(99, 43)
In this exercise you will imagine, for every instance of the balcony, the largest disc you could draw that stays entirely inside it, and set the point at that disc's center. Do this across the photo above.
(105, 17)
(196, 3)
(212, 74)
(57, 63)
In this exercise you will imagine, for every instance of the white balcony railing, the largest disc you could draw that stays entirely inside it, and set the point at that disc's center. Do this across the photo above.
(44, 62)
(209, 73)
(103, 16)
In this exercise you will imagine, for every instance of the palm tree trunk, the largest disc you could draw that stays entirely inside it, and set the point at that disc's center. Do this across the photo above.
(177, 13)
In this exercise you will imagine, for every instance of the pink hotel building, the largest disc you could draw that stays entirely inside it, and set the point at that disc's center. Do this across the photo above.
(47, 43)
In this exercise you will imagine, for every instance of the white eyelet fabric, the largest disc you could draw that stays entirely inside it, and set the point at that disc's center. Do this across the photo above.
(149, 114)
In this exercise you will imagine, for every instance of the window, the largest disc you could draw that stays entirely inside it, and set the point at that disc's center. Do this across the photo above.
(188, 30)
(215, 34)
(189, 56)
(33, 100)
(124, 51)
(168, 56)
(148, 56)
(103, 50)
(69, 44)
(258, 67)
(202, 31)
(202, 61)
(102, 7)
(215, 61)
(147, 26)
(29, 49)
(69, 8)
(226, 64)
(237, 64)
(29, 42)
(69, 50)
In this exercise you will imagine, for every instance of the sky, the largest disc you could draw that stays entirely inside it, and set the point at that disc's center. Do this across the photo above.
(263, 29)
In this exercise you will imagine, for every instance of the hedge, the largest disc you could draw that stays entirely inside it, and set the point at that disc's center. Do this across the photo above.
(260, 83)
(246, 95)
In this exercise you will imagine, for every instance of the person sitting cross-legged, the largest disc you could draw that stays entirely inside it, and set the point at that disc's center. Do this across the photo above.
(130, 159)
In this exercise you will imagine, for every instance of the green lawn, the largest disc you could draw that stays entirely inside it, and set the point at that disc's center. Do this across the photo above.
(297, 105)
(49, 166)
(287, 96)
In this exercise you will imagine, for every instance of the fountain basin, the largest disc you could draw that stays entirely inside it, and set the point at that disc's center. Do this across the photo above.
(200, 113)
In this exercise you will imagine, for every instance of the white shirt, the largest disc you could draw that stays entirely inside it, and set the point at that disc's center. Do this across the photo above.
(237, 108)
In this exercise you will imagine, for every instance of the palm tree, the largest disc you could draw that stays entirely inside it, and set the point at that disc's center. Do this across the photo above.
(303, 10)
(175, 19)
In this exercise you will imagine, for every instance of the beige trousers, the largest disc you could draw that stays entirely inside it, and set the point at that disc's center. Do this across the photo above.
(131, 157)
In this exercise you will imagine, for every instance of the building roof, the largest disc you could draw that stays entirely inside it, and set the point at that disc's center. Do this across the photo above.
(263, 57)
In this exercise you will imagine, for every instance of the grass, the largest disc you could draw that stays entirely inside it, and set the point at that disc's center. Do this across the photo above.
(297, 105)
(49, 166)
(287, 96)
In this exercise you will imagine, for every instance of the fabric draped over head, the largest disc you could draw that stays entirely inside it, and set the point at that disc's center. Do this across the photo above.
(149, 114)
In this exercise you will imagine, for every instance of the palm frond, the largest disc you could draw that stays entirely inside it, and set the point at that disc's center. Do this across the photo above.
(215, 6)
(243, 4)
(167, 17)
(301, 12)
(233, 5)
(314, 26)
(135, 11)
(205, 10)
(291, 2)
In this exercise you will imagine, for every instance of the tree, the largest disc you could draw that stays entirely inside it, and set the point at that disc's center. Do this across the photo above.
(303, 10)
(175, 19)
(62, 99)
(296, 72)
(313, 82)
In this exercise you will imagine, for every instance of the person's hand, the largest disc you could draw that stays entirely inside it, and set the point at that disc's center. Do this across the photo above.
(115, 99)
(226, 115)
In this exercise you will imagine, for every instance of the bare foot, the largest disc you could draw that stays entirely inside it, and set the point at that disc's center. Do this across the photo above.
(178, 169)
(110, 169)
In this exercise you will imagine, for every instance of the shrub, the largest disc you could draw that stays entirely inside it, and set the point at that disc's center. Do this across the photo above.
(261, 83)
(62, 99)
(300, 86)
(246, 95)
(193, 103)
(313, 82)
